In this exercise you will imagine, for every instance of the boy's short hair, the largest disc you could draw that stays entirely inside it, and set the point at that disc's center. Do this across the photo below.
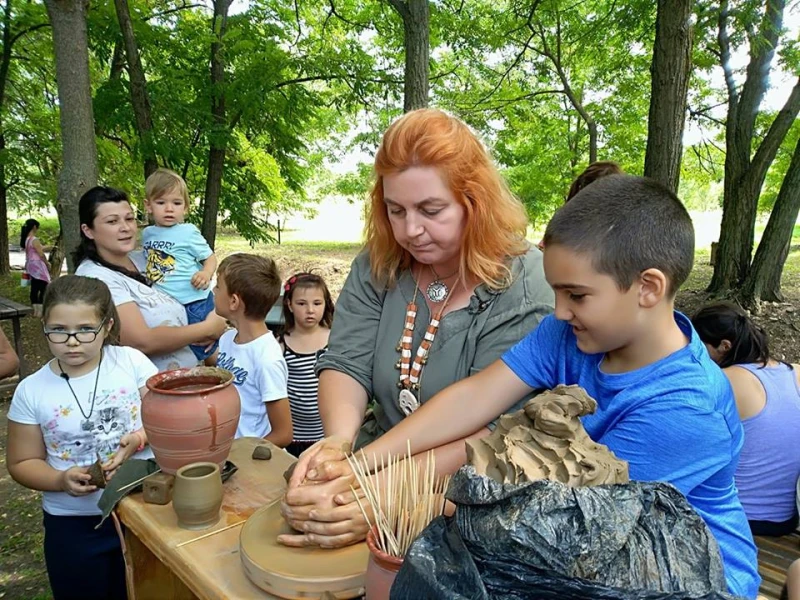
(163, 181)
(255, 279)
(627, 225)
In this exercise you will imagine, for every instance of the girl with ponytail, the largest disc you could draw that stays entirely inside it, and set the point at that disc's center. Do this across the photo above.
(767, 395)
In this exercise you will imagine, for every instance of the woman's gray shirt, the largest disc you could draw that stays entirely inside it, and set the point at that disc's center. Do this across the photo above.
(369, 321)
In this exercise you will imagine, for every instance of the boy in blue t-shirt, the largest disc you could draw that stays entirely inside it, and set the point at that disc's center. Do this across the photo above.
(615, 256)
(179, 260)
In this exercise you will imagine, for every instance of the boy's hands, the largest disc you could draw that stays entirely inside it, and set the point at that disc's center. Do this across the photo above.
(73, 481)
(201, 280)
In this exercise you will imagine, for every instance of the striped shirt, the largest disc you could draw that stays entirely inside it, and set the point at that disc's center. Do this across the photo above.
(302, 387)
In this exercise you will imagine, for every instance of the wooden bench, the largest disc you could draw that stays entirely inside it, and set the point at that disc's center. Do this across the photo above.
(774, 557)
(15, 311)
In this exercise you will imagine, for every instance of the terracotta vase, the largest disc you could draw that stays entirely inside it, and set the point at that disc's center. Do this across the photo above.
(197, 495)
(190, 415)
(382, 568)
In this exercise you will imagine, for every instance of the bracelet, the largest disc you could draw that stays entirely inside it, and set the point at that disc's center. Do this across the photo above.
(142, 440)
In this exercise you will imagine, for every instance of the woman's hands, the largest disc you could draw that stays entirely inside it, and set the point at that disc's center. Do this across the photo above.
(320, 503)
(75, 480)
(311, 463)
(214, 326)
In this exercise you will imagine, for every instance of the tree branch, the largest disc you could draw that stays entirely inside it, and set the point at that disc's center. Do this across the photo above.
(520, 55)
(762, 51)
(184, 6)
(769, 146)
(401, 8)
(30, 29)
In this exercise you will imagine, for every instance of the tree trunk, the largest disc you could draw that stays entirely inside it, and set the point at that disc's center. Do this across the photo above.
(78, 145)
(5, 262)
(744, 170)
(220, 130)
(416, 42)
(138, 87)
(672, 62)
(763, 280)
(57, 254)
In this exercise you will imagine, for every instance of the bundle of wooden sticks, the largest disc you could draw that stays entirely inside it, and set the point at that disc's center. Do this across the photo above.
(404, 495)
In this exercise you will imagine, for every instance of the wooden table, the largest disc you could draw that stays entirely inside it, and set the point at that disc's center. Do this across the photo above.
(15, 311)
(210, 568)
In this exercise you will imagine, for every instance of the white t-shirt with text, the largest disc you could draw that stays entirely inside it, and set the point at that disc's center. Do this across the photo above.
(260, 376)
(72, 439)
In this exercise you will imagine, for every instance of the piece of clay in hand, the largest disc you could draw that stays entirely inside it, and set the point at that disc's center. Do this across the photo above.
(98, 477)
(287, 475)
(262, 453)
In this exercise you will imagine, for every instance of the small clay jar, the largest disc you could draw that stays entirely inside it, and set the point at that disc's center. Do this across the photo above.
(197, 495)
(382, 569)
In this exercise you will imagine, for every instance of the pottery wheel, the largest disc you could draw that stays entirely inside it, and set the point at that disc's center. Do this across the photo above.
(296, 573)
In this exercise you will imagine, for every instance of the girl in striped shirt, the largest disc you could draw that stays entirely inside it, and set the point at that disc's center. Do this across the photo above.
(307, 314)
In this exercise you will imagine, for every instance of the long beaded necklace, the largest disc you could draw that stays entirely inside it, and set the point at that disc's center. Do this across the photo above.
(86, 424)
(410, 373)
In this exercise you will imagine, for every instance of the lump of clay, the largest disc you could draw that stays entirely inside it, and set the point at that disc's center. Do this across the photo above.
(546, 440)
(98, 478)
(262, 453)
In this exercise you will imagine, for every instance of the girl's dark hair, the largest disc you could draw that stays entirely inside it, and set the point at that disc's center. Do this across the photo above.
(725, 321)
(306, 281)
(87, 211)
(72, 289)
(595, 171)
(26, 229)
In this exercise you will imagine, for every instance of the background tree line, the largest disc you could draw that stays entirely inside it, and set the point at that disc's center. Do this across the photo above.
(252, 102)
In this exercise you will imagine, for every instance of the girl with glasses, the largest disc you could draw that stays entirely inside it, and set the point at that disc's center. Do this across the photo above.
(82, 407)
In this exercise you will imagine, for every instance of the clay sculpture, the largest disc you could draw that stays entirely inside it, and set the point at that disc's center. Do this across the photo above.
(546, 440)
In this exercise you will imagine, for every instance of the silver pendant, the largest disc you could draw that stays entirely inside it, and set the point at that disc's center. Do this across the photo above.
(87, 425)
(437, 291)
(408, 403)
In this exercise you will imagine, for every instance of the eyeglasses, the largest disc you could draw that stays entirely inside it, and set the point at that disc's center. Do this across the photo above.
(84, 337)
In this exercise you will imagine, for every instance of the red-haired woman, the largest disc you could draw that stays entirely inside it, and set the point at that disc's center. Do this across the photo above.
(447, 282)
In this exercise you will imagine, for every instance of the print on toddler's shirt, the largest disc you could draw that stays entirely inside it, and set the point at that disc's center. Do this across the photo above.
(159, 264)
(224, 361)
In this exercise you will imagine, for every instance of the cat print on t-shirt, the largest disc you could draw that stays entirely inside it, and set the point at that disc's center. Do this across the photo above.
(72, 439)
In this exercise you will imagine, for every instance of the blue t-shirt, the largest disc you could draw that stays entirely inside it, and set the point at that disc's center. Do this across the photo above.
(174, 254)
(674, 421)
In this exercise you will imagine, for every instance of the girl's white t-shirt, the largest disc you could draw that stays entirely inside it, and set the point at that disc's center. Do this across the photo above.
(44, 399)
(157, 308)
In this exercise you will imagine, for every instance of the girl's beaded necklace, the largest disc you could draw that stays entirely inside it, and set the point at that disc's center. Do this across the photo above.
(410, 373)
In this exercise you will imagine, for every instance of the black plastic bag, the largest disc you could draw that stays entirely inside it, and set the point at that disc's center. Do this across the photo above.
(542, 540)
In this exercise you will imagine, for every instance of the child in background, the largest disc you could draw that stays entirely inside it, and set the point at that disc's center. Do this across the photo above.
(616, 255)
(307, 313)
(35, 264)
(179, 260)
(247, 287)
(83, 404)
(767, 394)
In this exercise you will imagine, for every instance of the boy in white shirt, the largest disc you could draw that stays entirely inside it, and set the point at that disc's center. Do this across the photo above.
(247, 287)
